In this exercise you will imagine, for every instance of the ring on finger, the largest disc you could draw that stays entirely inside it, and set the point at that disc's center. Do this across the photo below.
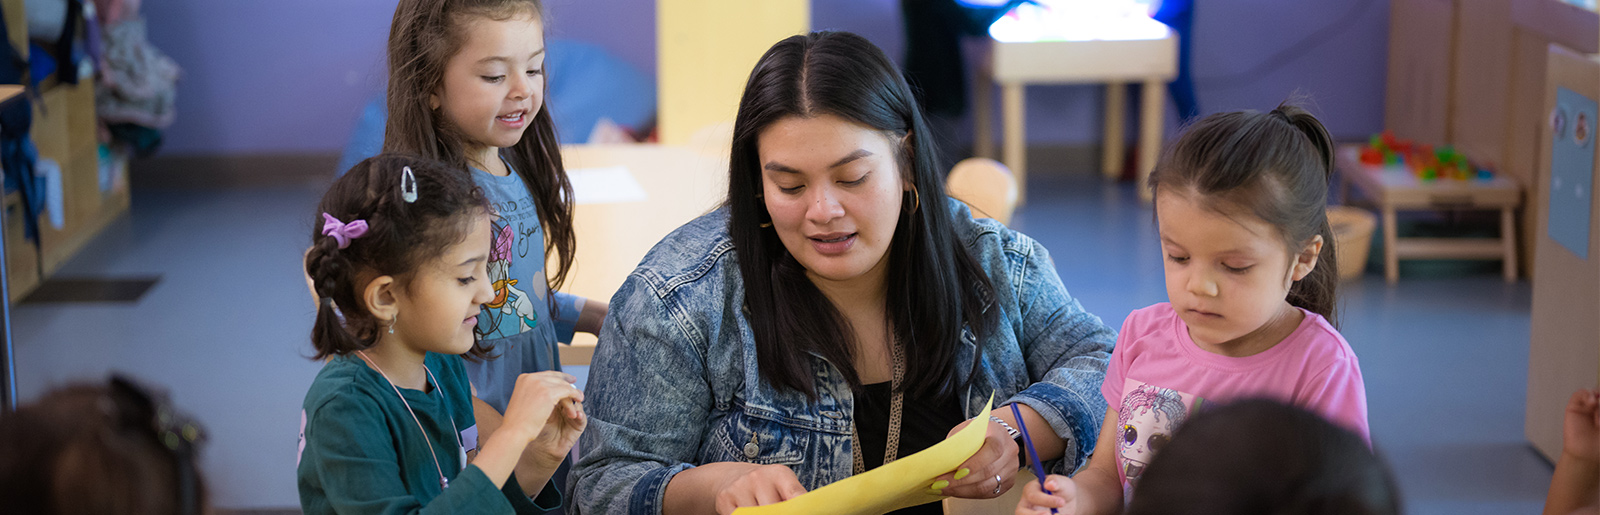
(997, 484)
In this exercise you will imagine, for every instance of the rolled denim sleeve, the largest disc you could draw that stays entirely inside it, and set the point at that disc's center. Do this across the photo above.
(648, 402)
(565, 315)
(1066, 350)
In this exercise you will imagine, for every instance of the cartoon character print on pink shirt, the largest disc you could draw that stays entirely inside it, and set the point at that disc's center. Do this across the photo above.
(1146, 420)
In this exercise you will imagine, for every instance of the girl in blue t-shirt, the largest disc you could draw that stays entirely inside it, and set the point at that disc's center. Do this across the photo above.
(466, 86)
(399, 263)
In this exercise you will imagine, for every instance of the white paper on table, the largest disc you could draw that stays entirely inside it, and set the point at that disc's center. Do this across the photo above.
(609, 185)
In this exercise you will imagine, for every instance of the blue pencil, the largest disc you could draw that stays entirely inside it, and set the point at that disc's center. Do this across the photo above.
(1033, 455)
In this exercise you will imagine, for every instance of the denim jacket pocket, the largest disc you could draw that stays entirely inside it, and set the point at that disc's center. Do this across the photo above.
(741, 436)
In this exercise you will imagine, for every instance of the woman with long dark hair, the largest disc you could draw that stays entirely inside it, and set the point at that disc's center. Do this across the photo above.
(840, 311)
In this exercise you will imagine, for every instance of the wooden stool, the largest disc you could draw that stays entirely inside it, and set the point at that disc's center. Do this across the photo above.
(986, 186)
(1394, 189)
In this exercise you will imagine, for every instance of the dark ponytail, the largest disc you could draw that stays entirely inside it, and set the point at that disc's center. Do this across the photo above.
(1317, 292)
(401, 237)
(1273, 165)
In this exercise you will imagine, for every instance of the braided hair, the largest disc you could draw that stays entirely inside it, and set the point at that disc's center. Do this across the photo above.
(401, 236)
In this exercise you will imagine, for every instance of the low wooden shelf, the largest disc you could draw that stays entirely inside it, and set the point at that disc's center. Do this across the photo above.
(1394, 189)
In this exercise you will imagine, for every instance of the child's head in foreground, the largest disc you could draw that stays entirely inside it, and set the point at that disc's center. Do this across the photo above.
(1265, 457)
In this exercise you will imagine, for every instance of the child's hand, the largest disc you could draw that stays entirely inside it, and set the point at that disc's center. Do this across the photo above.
(1063, 497)
(1580, 432)
(561, 431)
(548, 408)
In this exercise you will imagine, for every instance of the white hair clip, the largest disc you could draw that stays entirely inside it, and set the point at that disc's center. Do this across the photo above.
(410, 195)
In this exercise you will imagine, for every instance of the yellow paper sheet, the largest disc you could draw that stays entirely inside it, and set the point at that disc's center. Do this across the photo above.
(899, 484)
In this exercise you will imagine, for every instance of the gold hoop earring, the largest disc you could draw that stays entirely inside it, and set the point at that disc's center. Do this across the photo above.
(766, 225)
(916, 199)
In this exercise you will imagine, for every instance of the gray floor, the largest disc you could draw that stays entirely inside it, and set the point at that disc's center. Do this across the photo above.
(226, 329)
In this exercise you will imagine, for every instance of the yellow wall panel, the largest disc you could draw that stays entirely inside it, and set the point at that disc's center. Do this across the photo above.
(705, 50)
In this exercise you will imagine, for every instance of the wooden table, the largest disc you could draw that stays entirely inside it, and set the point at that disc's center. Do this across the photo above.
(1394, 188)
(1151, 61)
(681, 184)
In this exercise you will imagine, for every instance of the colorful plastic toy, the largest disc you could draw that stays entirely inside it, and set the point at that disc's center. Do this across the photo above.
(1423, 161)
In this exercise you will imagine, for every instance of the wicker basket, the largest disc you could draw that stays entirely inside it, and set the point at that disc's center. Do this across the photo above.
(1352, 234)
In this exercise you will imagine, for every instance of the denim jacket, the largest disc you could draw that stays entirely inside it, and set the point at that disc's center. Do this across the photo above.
(674, 382)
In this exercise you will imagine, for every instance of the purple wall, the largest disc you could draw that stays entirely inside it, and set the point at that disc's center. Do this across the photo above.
(1344, 73)
(291, 76)
(626, 28)
(269, 77)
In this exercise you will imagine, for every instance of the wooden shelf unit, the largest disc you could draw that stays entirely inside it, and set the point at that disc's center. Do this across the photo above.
(65, 131)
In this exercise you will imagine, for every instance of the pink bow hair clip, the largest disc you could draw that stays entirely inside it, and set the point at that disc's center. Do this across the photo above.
(343, 232)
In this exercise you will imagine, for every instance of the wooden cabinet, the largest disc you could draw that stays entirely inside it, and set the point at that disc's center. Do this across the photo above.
(1564, 347)
(64, 131)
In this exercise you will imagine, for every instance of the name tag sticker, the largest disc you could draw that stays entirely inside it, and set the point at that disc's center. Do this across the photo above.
(469, 438)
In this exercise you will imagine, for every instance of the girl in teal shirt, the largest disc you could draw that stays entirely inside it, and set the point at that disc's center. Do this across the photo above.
(400, 264)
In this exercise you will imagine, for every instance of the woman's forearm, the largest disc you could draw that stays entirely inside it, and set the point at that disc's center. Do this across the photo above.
(1045, 440)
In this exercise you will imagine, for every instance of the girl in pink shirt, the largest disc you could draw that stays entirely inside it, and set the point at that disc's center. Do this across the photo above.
(1241, 203)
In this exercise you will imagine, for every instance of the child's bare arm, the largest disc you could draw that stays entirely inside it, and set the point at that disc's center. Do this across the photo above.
(1099, 489)
(593, 314)
(489, 421)
(1095, 490)
(1576, 482)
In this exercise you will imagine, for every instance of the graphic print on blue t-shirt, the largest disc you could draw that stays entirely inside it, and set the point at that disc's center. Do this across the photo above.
(523, 321)
(515, 307)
